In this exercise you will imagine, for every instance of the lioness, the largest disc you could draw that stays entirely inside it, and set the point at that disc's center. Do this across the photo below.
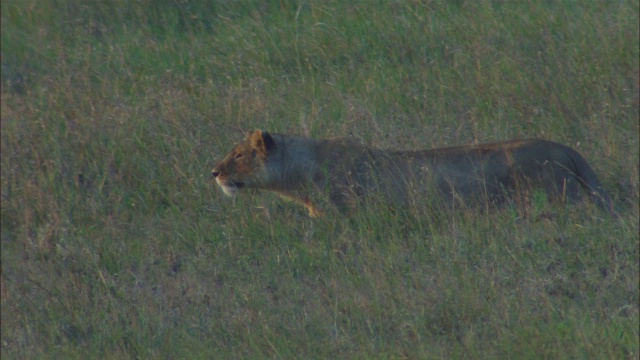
(311, 171)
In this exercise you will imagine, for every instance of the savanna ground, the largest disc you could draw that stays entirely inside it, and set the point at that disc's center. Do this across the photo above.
(117, 244)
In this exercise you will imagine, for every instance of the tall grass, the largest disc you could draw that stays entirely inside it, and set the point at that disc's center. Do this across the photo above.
(116, 244)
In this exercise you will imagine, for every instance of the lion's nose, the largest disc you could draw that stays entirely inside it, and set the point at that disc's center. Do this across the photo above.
(215, 173)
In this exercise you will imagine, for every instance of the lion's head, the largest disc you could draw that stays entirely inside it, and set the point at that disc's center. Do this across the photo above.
(245, 164)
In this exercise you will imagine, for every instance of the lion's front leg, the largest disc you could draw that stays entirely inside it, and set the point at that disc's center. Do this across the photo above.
(314, 212)
(304, 200)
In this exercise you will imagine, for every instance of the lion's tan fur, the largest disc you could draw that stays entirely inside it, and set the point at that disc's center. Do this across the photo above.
(346, 173)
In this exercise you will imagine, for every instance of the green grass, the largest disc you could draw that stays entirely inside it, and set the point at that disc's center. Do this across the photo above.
(117, 244)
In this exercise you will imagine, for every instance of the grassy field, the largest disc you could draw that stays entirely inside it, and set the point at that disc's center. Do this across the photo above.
(117, 244)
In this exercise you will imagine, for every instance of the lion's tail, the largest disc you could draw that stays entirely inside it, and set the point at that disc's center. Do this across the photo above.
(589, 181)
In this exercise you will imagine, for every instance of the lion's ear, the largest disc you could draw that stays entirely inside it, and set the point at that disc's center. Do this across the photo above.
(262, 142)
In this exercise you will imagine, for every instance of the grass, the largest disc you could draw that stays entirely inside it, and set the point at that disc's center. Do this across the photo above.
(117, 244)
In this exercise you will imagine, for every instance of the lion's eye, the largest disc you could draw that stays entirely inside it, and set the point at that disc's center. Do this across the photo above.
(238, 156)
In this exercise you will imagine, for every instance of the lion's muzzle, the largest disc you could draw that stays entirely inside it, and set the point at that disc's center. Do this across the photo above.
(229, 187)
